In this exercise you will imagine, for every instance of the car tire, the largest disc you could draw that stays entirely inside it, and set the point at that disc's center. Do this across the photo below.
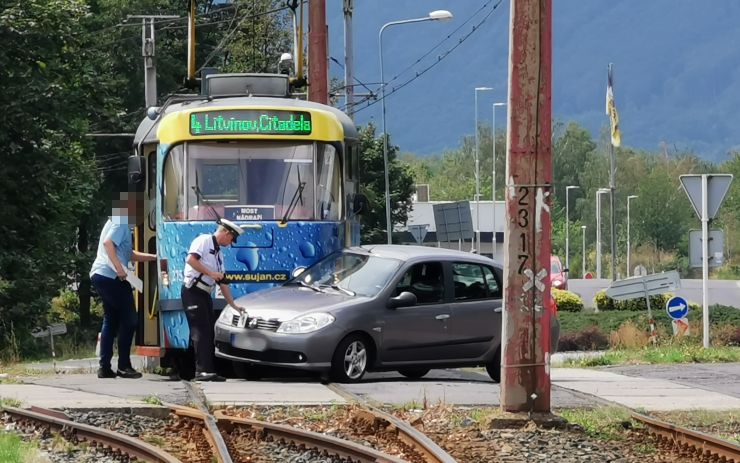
(350, 360)
(494, 367)
(247, 371)
(414, 373)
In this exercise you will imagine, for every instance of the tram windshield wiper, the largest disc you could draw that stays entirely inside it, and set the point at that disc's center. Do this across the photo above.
(201, 198)
(297, 196)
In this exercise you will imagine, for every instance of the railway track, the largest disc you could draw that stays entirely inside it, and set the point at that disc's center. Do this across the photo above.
(195, 435)
(690, 443)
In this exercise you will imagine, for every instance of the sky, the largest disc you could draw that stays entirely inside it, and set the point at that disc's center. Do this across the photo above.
(675, 67)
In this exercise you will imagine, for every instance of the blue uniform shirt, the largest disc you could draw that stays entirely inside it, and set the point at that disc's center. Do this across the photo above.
(117, 230)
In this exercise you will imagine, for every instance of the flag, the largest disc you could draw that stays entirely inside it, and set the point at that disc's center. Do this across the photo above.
(611, 111)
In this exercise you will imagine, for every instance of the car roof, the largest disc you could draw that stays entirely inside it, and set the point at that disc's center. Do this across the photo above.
(412, 253)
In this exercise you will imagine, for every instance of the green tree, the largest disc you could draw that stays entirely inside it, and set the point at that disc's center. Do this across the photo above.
(47, 169)
(373, 186)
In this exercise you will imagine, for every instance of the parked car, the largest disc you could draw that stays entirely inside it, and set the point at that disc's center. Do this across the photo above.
(371, 308)
(558, 274)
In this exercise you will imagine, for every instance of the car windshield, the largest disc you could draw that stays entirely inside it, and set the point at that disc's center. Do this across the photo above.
(554, 267)
(350, 273)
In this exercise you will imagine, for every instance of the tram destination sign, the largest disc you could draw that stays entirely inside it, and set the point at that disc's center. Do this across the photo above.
(250, 122)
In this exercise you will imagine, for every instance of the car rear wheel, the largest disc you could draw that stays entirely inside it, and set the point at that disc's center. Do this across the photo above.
(414, 373)
(350, 359)
(494, 367)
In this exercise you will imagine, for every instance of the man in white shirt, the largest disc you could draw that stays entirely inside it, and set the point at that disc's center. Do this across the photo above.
(203, 271)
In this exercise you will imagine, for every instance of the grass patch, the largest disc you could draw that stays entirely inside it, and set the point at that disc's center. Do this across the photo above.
(9, 402)
(152, 400)
(680, 353)
(410, 405)
(14, 450)
(321, 413)
(605, 423)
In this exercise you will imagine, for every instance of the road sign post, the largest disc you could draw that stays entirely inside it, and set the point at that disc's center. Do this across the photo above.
(50, 331)
(677, 308)
(645, 286)
(706, 193)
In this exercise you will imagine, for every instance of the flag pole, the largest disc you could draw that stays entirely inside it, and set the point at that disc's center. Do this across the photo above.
(614, 130)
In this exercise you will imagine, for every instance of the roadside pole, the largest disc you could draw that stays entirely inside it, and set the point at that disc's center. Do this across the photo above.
(704, 260)
(525, 361)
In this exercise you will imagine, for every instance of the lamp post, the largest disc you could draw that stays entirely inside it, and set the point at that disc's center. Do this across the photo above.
(493, 180)
(628, 232)
(583, 251)
(437, 15)
(477, 172)
(567, 224)
(599, 192)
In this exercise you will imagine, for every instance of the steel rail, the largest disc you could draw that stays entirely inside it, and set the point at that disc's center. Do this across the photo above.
(213, 435)
(685, 439)
(432, 452)
(333, 445)
(125, 444)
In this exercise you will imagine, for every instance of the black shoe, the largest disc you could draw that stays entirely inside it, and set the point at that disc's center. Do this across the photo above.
(106, 373)
(209, 377)
(129, 373)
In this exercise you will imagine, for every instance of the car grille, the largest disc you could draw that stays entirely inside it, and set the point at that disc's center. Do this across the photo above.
(262, 324)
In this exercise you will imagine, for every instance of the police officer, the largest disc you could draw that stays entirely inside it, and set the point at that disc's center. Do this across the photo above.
(203, 271)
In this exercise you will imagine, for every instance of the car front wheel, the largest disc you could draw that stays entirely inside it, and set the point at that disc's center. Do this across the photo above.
(350, 359)
(494, 367)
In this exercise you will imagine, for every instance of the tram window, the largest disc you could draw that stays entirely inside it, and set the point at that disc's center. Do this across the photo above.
(220, 181)
(329, 183)
(173, 185)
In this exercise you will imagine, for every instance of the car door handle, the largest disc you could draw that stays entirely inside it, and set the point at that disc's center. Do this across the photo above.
(498, 309)
(442, 316)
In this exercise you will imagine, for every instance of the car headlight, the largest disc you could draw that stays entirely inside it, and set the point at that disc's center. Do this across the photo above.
(557, 283)
(306, 323)
(227, 315)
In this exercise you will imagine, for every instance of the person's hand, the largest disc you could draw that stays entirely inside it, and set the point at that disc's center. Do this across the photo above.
(121, 273)
(241, 309)
(218, 276)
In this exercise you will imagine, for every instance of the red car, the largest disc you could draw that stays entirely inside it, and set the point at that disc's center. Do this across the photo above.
(558, 275)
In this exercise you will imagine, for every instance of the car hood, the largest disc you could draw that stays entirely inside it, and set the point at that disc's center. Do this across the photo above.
(287, 302)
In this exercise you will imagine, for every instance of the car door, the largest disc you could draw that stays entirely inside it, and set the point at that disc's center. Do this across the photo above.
(418, 332)
(475, 322)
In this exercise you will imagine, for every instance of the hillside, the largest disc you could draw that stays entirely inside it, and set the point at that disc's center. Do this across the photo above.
(674, 62)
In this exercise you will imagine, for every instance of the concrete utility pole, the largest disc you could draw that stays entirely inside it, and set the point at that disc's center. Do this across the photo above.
(349, 92)
(525, 385)
(148, 52)
(318, 82)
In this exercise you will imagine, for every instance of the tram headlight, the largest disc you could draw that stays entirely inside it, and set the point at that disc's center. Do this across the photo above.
(306, 323)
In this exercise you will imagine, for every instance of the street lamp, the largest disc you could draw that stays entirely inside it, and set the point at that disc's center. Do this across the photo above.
(477, 171)
(628, 232)
(583, 251)
(599, 192)
(437, 15)
(567, 224)
(493, 179)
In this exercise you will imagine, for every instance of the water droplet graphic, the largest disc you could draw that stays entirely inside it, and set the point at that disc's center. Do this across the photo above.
(307, 249)
(249, 257)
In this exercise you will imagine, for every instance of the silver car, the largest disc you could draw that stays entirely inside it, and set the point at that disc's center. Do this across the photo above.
(371, 308)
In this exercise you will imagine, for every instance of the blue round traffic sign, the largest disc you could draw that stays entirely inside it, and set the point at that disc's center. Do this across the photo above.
(677, 307)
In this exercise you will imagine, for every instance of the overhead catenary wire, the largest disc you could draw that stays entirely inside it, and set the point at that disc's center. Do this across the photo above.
(366, 100)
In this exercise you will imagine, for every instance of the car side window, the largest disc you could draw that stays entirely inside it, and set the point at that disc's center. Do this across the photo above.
(494, 289)
(469, 282)
(425, 281)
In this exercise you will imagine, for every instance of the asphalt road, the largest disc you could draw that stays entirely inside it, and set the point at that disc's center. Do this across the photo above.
(718, 377)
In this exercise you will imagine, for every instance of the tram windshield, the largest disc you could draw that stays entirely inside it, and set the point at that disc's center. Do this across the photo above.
(258, 180)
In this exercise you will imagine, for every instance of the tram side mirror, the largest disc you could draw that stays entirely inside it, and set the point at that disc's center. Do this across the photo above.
(136, 169)
(360, 204)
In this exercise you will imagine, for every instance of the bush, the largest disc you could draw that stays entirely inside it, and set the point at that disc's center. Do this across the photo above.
(605, 303)
(567, 301)
(726, 336)
(628, 336)
(591, 338)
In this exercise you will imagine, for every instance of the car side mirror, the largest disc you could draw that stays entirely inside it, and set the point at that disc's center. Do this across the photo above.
(136, 169)
(566, 270)
(405, 299)
(360, 205)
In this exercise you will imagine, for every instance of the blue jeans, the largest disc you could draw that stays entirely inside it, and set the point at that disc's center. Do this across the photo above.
(119, 319)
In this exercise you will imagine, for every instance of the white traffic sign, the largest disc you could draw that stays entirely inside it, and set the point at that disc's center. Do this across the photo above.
(648, 285)
(677, 307)
(717, 186)
(418, 232)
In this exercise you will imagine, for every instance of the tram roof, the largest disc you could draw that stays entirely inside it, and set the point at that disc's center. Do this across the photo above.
(145, 128)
